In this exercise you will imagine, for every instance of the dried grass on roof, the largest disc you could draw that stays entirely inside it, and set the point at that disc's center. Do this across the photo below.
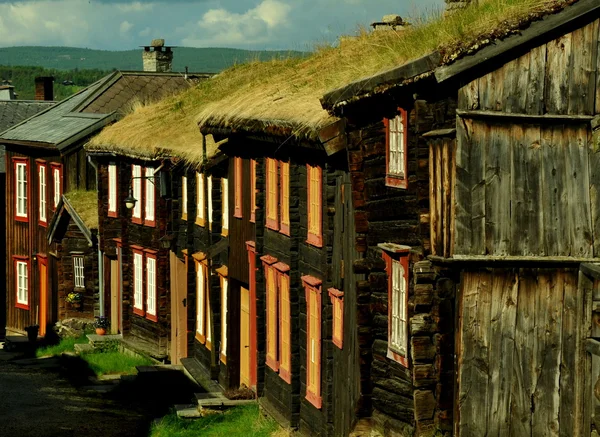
(289, 90)
(85, 204)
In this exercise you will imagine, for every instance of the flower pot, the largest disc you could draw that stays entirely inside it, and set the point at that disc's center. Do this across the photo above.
(100, 331)
(32, 333)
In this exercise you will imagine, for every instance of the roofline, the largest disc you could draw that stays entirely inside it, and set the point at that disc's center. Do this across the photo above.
(53, 102)
(64, 204)
(168, 73)
(63, 145)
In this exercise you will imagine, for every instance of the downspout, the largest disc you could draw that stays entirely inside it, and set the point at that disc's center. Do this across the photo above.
(100, 254)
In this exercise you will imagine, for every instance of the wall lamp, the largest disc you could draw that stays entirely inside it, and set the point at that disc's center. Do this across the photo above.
(130, 201)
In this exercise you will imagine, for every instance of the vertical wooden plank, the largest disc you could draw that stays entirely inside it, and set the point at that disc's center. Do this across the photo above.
(486, 92)
(558, 75)
(574, 142)
(535, 88)
(523, 363)
(582, 83)
(480, 136)
(468, 96)
(447, 201)
(463, 199)
(439, 164)
(433, 218)
(497, 190)
(545, 397)
(502, 349)
(452, 205)
(594, 175)
(597, 66)
(473, 389)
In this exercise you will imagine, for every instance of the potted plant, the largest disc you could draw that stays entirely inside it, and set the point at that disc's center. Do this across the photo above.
(101, 325)
(32, 332)
(74, 299)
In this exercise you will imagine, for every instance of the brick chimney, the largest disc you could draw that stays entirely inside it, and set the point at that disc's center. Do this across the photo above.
(7, 92)
(44, 88)
(157, 57)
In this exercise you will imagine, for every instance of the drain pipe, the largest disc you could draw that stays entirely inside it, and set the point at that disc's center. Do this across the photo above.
(100, 254)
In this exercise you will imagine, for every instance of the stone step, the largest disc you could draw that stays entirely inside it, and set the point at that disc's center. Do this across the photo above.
(83, 348)
(96, 339)
(187, 411)
(216, 401)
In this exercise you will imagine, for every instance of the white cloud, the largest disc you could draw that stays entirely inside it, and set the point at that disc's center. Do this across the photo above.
(125, 27)
(135, 7)
(146, 32)
(255, 26)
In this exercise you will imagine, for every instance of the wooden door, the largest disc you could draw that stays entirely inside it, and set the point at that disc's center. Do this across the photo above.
(245, 338)
(114, 297)
(178, 309)
(43, 305)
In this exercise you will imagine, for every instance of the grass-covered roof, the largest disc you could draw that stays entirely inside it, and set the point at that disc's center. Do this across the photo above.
(287, 92)
(85, 203)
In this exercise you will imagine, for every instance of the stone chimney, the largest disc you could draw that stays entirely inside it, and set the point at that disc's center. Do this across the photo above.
(390, 22)
(455, 5)
(157, 57)
(44, 88)
(7, 92)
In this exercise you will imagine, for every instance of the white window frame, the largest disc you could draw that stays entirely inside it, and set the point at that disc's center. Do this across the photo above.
(78, 271)
(201, 298)
(57, 187)
(184, 196)
(22, 269)
(43, 203)
(399, 319)
(112, 188)
(209, 183)
(151, 285)
(397, 147)
(21, 189)
(150, 198)
(136, 174)
(138, 279)
(225, 202)
(224, 291)
(200, 197)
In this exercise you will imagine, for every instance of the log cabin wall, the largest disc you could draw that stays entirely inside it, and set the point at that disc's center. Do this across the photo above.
(526, 185)
(414, 399)
(26, 239)
(74, 242)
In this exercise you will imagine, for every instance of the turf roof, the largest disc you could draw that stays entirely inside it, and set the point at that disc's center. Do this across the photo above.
(287, 92)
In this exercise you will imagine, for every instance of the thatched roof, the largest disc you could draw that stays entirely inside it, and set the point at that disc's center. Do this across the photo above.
(287, 92)
(85, 203)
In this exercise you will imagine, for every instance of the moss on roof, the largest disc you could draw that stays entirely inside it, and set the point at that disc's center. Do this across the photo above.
(85, 204)
(288, 91)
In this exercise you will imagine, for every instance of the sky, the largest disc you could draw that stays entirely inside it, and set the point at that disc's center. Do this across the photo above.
(247, 24)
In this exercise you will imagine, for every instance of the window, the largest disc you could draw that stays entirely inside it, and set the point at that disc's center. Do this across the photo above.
(272, 198)
(238, 187)
(21, 169)
(253, 190)
(225, 199)
(285, 347)
(57, 182)
(271, 287)
(150, 198)
(112, 190)
(42, 193)
(396, 158)
(184, 198)
(138, 279)
(78, 271)
(224, 291)
(202, 304)
(337, 300)
(314, 204)
(209, 183)
(151, 287)
(284, 185)
(312, 287)
(22, 281)
(200, 220)
(396, 259)
(136, 174)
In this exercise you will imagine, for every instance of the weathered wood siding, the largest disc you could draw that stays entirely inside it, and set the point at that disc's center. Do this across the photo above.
(527, 187)
(518, 353)
(442, 173)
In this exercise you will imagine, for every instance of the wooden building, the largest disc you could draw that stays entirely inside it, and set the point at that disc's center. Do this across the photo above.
(508, 279)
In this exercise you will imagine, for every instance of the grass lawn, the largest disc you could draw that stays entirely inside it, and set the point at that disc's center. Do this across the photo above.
(240, 421)
(65, 345)
(114, 362)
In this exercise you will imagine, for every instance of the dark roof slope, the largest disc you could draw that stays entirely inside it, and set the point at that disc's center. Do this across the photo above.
(13, 112)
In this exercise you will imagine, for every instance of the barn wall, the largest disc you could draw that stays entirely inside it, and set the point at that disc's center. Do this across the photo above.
(526, 187)
(517, 356)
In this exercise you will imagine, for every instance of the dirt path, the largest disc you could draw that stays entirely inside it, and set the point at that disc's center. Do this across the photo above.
(39, 399)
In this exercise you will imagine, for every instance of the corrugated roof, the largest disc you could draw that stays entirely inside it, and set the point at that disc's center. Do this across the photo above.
(12, 112)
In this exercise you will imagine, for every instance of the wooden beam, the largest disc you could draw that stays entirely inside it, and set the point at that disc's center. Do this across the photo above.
(595, 122)
(440, 133)
(536, 34)
(512, 259)
(524, 118)
(591, 270)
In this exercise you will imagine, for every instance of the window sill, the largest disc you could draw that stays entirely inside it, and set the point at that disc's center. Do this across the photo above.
(315, 240)
(138, 312)
(396, 181)
(397, 357)
(151, 317)
(22, 306)
(315, 400)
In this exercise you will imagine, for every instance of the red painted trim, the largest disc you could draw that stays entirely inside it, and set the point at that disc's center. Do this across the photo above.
(149, 253)
(314, 397)
(282, 267)
(137, 220)
(271, 361)
(250, 245)
(19, 160)
(118, 241)
(237, 195)
(315, 239)
(20, 258)
(253, 190)
(145, 184)
(140, 251)
(135, 247)
(311, 280)
(39, 164)
(402, 257)
(285, 374)
(392, 180)
(271, 223)
(59, 167)
(284, 228)
(114, 213)
(337, 298)
(268, 259)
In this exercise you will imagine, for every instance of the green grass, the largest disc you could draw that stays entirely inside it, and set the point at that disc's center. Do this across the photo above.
(65, 345)
(240, 421)
(113, 362)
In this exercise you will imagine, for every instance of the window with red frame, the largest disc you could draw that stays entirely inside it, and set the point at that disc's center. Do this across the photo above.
(136, 181)
(112, 190)
(56, 182)
(396, 156)
(253, 190)
(224, 295)
(21, 172)
(314, 203)
(151, 295)
(284, 213)
(271, 288)
(203, 325)
(312, 287)
(42, 193)
(138, 281)
(285, 336)
(272, 200)
(337, 301)
(238, 187)
(149, 198)
(21, 265)
(396, 260)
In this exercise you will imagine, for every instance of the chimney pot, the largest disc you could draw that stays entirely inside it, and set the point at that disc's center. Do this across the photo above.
(44, 88)
(7, 92)
(155, 59)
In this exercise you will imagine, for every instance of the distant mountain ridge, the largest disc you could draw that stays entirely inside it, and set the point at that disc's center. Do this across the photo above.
(205, 60)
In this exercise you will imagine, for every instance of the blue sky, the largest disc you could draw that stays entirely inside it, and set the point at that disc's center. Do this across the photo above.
(250, 24)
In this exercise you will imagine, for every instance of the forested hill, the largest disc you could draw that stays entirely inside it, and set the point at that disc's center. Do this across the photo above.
(198, 60)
